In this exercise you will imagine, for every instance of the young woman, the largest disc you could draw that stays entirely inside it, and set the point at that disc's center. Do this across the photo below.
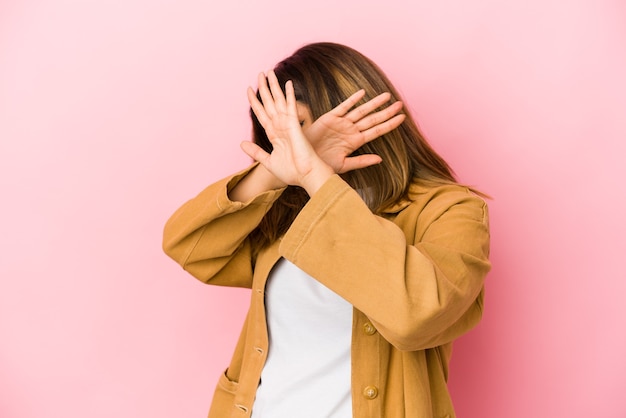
(364, 256)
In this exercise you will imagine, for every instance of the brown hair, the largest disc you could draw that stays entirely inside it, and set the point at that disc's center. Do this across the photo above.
(324, 75)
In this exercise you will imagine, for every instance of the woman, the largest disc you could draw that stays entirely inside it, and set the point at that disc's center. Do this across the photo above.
(365, 258)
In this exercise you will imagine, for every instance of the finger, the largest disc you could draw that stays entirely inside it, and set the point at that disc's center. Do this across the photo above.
(266, 96)
(368, 107)
(383, 128)
(255, 152)
(360, 161)
(257, 108)
(277, 92)
(343, 107)
(381, 116)
(291, 99)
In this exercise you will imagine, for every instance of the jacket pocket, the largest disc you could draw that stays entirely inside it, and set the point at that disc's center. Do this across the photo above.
(223, 397)
(226, 384)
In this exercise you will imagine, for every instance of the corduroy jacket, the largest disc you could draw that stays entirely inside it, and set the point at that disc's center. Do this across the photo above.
(414, 275)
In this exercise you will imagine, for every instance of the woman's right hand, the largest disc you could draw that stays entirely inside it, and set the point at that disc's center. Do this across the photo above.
(338, 133)
(293, 160)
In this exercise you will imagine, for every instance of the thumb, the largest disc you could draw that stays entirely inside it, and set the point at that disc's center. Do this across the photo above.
(254, 151)
(360, 161)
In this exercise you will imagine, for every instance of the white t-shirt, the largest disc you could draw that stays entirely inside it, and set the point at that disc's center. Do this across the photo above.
(307, 372)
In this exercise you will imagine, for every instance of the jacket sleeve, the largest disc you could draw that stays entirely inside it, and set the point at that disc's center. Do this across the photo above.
(207, 236)
(418, 294)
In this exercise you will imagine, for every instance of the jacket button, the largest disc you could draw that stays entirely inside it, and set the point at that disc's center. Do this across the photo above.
(370, 392)
(369, 329)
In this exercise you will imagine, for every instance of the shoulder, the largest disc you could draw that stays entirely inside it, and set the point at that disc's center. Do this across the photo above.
(427, 203)
(443, 196)
(436, 197)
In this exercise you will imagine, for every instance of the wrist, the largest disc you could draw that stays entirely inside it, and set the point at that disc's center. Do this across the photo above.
(265, 177)
(316, 178)
(257, 181)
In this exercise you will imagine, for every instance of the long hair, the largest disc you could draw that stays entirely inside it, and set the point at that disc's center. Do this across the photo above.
(324, 75)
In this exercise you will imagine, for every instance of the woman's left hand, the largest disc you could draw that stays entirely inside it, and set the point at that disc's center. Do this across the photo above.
(292, 160)
(338, 133)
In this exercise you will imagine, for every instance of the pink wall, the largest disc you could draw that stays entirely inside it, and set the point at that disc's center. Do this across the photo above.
(112, 113)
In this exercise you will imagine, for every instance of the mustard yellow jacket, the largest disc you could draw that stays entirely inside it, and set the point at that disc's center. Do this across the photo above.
(414, 276)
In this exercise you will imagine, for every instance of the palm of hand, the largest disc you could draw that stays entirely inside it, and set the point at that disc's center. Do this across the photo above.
(292, 155)
(292, 160)
(334, 138)
(341, 131)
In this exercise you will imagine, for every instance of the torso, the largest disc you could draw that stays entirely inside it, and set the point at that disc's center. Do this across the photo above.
(308, 365)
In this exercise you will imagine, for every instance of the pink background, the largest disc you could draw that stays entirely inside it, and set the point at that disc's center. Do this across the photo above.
(112, 113)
